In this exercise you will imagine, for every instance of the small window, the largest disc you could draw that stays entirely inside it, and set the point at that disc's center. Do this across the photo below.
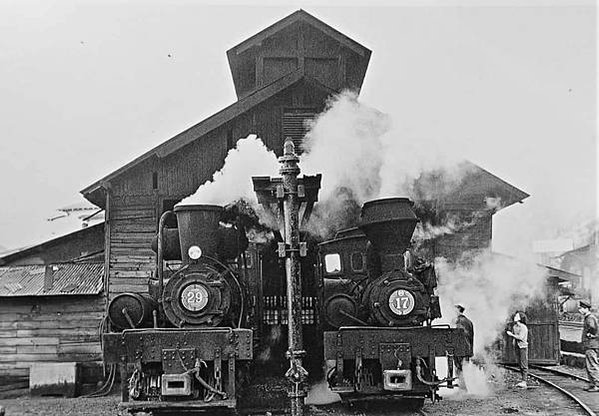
(357, 262)
(332, 263)
(154, 180)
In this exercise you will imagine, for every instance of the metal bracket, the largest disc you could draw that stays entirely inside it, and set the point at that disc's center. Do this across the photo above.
(358, 370)
(301, 191)
(303, 249)
(280, 190)
(217, 369)
(231, 378)
(282, 250)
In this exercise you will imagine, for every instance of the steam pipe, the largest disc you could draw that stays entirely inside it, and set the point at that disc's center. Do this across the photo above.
(160, 254)
(353, 318)
(291, 203)
(434, 384)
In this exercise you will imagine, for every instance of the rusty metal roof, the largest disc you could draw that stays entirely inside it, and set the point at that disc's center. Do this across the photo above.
(52, 280)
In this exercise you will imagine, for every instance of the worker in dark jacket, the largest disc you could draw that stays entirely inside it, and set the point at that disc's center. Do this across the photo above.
(590, 343)
(465, 324)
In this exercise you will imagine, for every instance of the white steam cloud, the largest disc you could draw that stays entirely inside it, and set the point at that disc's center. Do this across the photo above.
(490, 286)
(250, 157)
(354, 146)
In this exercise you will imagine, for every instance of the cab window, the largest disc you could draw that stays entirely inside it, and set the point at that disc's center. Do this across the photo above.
(357, 261)
(332, 263)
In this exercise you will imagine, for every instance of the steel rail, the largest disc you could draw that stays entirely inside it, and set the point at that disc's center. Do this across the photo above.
(578, 401)
(559, 372)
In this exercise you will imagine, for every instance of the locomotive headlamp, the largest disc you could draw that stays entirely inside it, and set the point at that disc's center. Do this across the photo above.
(194, 297)
(401, 302)
(194, 252)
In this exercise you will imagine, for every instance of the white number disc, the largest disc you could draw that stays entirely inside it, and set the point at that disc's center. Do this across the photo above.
(194, 297)
(401, 302)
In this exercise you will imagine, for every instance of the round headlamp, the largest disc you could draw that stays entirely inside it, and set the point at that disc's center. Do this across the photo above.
(194, 252)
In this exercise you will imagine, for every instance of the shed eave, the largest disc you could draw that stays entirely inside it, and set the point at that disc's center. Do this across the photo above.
(187, 136)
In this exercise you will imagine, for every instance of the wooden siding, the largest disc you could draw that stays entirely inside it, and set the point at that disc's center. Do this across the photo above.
(138, 181)
(474, 237)
(133, 224)
(182, 172)
(48, 329)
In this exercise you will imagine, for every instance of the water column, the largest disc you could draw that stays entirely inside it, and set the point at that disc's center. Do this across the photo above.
(290, 199)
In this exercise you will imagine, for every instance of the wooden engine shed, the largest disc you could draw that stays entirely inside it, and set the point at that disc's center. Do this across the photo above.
(49, 313)
(283, 76)
(84, 245)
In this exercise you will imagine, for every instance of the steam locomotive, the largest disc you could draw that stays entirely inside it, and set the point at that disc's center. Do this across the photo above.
(187, 337)
(379, 304)
(367, 310)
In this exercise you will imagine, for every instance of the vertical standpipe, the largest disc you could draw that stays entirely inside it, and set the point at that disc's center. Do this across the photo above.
(296, 373)
(285, 198)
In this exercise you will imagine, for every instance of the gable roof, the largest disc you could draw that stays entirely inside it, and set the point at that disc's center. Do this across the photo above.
(12, 255)
(294, 17)
(67, 279)
(95, 192)
(512, 193)
(472, 182)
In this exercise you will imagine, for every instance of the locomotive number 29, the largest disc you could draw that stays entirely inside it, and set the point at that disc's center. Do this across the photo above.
(194, 297)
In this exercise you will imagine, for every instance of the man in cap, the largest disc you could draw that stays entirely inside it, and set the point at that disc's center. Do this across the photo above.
(465, 324)
(590, 343)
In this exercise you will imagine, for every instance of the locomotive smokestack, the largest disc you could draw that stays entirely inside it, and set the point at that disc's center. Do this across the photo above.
(198, 226)
(389, 224)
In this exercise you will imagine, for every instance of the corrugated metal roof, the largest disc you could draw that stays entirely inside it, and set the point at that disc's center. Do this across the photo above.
(67, 279)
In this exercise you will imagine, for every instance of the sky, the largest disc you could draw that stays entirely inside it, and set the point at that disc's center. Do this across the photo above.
(85, 87)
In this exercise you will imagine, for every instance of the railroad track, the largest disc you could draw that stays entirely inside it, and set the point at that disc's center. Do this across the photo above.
(571, 385)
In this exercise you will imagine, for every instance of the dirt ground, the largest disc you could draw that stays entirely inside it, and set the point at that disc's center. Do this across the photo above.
(497, 396)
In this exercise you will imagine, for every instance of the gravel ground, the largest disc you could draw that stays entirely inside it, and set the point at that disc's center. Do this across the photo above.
(499, 397)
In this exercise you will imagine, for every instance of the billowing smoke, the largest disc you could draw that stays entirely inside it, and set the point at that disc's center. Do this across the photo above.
(250, 157)
(346, 144)
(491, 286)
(361, 157)
(320, 393)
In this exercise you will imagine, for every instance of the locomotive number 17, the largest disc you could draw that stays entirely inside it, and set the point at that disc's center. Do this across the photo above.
(401, 302)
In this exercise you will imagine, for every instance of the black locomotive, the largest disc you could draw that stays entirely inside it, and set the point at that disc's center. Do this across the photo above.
(379, 304)
(186, 338)
(367, 305)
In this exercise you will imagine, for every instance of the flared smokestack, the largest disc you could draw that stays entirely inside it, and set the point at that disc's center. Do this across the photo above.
(198, 226)
(389, 224)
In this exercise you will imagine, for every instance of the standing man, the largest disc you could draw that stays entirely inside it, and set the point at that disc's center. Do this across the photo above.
(465, 324)
(590, 343)
(520, 334)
